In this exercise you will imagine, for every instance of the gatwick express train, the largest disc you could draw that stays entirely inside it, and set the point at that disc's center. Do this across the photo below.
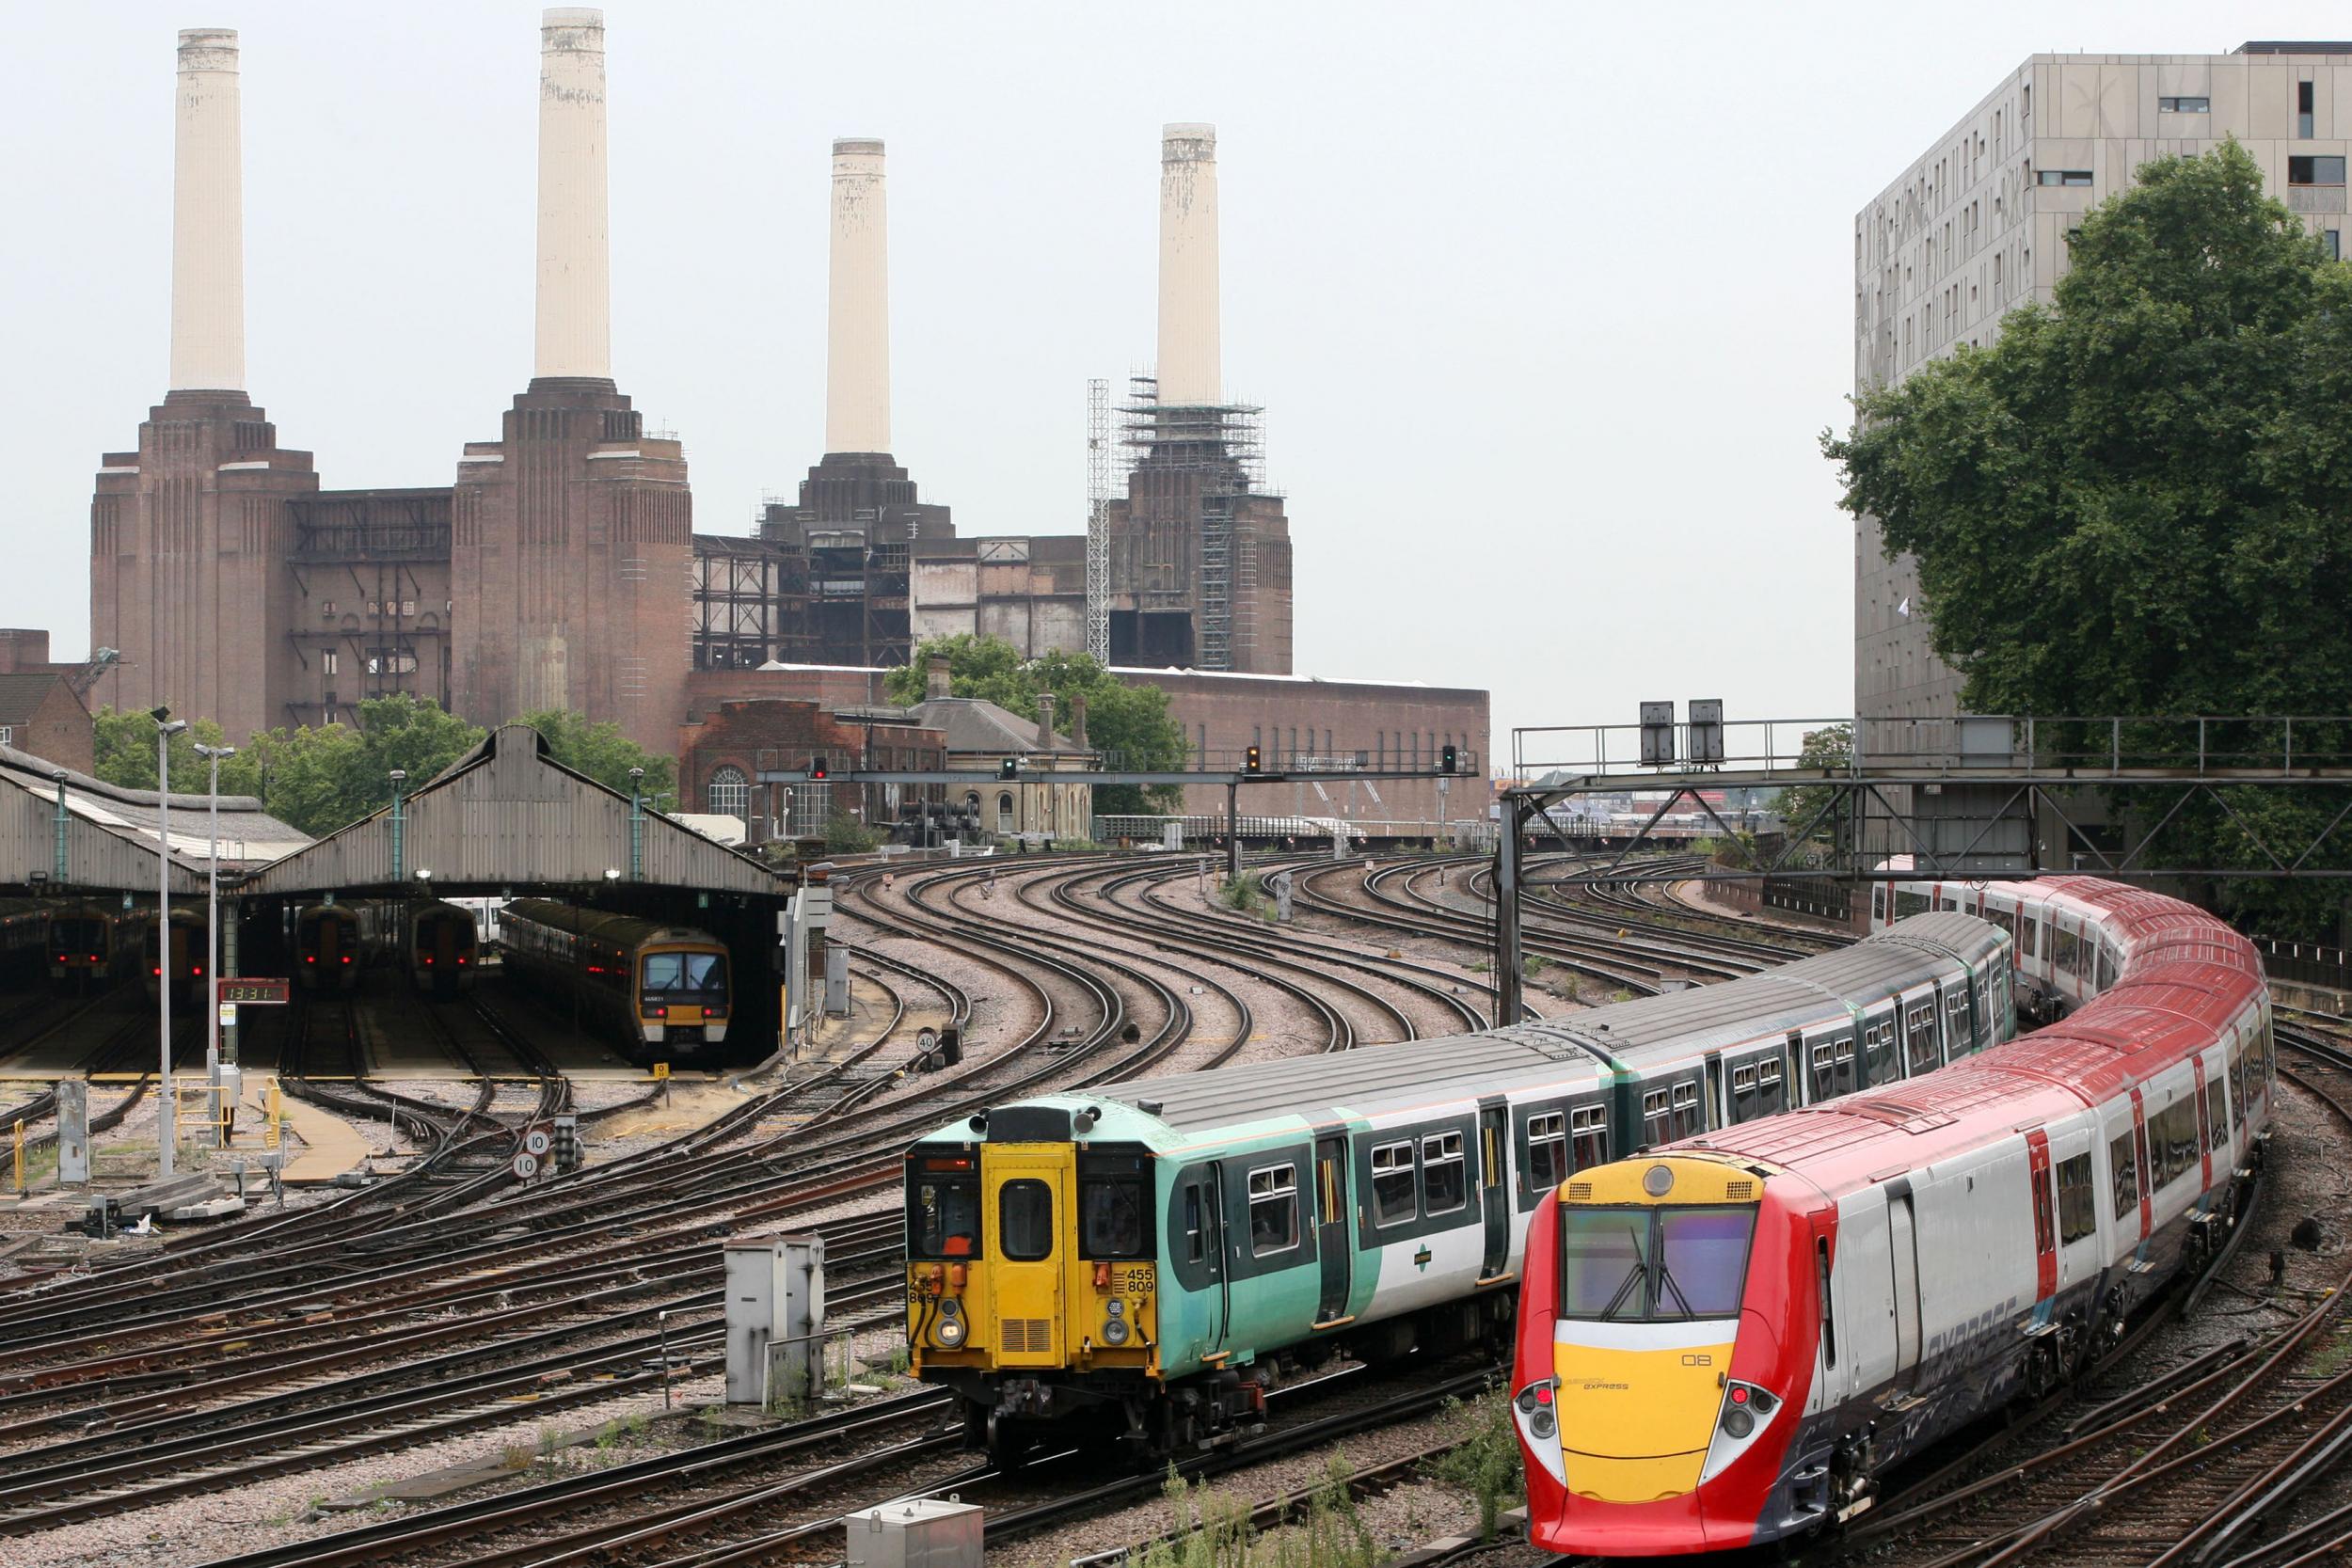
(1731, 1338)
(1155, 1256)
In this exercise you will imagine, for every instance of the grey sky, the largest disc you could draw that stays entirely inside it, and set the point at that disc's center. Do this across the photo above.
(1546, 303)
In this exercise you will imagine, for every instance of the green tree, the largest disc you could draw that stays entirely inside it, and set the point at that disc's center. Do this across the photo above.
(1129, 724)
(2134, 501)
(600, 751)
(1832, 745)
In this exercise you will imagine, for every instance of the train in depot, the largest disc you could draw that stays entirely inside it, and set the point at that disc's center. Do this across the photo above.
(90, 945)
(173, 953)
(330, 950)
(660, 992)
(1154, 1257)
(438, 947)
(1732, 1338)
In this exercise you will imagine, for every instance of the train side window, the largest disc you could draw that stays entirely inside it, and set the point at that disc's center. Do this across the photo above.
(1588, 1132)
(1842, 1063)
(2123, 1170)
(1824, 1082)
(1547, 1149)
(1878, 903)
(2026, 930)
(1829, 1312)
(1743, 1091)
(1908, 904)
(1025, 1220)
(1956, 1034)
(2077, 1215)
(1272, 1210)
(1442, 1172)
(2237, 1085)
(1110, 1219)
(1195, 1247)
(2041, 1212)
(1391, 1183)
(2220, 1112)
(1772, 1088)
(2173, 1134)
(1919, 1035)
(1690, 1118)
(1658, 1117)
(1878, 1052)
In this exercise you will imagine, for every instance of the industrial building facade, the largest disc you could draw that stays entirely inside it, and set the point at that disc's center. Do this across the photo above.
(1978, 225)
(561, 569)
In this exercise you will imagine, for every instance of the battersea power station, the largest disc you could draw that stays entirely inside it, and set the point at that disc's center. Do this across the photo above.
(556, 564)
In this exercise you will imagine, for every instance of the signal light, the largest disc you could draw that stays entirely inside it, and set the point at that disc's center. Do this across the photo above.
(1250, 760)
(817, 768)
(1008, 769)
(1447, 759)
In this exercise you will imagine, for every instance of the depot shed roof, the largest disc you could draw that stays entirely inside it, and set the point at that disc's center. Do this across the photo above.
(508, 815)
(112, 833)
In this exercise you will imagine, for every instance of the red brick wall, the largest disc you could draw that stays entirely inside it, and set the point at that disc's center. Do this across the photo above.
(789, 733)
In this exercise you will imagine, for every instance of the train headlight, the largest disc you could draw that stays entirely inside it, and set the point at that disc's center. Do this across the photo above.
(1543, 1423)
(949, 1332)
(1539, 1419)
(1738, 1421)
(1114, 1330)
(1747, 1410)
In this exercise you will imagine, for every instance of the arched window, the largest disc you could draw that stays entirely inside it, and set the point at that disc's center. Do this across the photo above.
(730, 791)
(1004, 812)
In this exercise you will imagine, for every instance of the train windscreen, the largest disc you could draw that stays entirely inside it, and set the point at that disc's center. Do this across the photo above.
(67, 934)
(1653, 1265)
(685, 974)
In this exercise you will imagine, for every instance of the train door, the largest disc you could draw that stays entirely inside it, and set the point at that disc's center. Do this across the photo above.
(1212, 1238)
(1331, 1242)
(1902, 1254)
(1494, 1145)
(1025, 1200)
(2044, 1215)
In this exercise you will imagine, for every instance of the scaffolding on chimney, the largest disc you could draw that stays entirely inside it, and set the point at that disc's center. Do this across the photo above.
(1222, 442)
(1098, 520)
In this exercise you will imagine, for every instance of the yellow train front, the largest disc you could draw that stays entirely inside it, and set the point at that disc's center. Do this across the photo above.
(1032, 1277)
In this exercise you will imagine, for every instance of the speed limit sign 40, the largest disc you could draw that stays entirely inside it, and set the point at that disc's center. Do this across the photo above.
(526, 1167)
(537, 1142)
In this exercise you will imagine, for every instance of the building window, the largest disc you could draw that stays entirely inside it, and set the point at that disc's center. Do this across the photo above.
(1004, 812)
(326, 608)
(811, 808)
(2062, 177)
(2184, 105)
(2303, 121)
(2331, 244)
(329, 660)
(730, 792)
(2315, 172)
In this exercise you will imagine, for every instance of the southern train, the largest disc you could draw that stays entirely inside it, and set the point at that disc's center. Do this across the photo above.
(660, 992)
(1152, 1257)
(1730, 1338)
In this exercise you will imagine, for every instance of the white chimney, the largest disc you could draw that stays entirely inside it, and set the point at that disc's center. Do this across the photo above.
(208, 218)
(1189, 370)
(857, 323)
(575, 328)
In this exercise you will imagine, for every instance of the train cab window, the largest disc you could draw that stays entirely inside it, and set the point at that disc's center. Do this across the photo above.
(1272, 1210)
(1658, 1116)
(684, 971)
(942, 1205)
(1442, 1174)
(2218, 1107)
(1657, 1265)
(1919, 1037)
(1025, 1220)
(1689, 1117)
(1391, 1183)
(1829, 1305)
(1588, 1134)
(1702, 1262)
(1547, 1149)
(2106, 967)
(1111, 1219)
(2123, 1170)
(2077, 1215)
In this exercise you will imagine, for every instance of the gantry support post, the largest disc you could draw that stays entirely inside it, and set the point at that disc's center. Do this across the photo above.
(1508, 983)
(1232, 834)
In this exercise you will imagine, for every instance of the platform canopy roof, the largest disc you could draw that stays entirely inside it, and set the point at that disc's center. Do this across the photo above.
(111, 834)
(508, 816)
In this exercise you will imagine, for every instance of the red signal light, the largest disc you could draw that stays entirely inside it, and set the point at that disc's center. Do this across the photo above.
(1543, 1393)
(1738, 1394)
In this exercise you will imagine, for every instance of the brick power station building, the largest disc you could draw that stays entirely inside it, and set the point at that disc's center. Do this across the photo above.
(560, 568)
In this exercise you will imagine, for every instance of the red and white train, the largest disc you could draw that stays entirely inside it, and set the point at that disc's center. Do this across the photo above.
(1731, 1338)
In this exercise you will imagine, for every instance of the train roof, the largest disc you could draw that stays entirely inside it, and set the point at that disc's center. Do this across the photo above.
(1384, 1079)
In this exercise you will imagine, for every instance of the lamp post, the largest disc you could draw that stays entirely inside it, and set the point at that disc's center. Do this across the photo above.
(166, 1110)
(212, 915)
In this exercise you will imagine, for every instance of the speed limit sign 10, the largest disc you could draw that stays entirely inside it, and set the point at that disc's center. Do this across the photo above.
(537, 1142)
(526, 1167)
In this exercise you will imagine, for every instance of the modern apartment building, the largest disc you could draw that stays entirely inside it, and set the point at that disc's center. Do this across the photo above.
(1977, 224)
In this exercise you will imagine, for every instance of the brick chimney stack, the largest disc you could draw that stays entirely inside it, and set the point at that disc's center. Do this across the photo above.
(1078, 722)
(1045, 721)
(575, 316)
(935, 685)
